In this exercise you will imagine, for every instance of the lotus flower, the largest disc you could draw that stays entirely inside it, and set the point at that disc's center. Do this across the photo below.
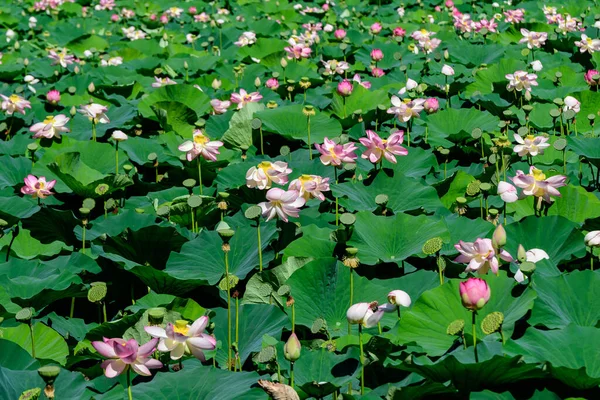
(242, 98)
(536, 184)
(533, 256)
(119, 136)
(592, 239)
(336, 154)
(160, 82)
(333, 67)
(363, 314)
(345, 88)
(246, 39)
(281, 204)
(507, 192)
(514, 16)
(53, 96)
(407, 109)
(310, 186)
(272, 83)
(50, 127)
(479, 255)
(571, 103)
(220, 107)
(399, 298)
(365, 84)
(589, 77)
(339, 34)
(14, 103)
(180, 338)
(292, 348)
(266, 173)
(534, 40)
(95, 112)
(61, 58)
(431, 105)
(375, 28)
(521, 80)
(587, 44)
(398, 32)
(298, 51)
(474, 293)
(201, 145)
(124, 354)
(447, 70)
(38, 188)
(532, 145)
(536, 65)
(376, 55)
(378, 147)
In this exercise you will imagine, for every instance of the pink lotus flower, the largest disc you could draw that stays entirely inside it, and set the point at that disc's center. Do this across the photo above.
(164, 19)
(490, 25)
(376, 55)
(266, 173)
(51, 127)
(114, 18)
(310, 186)
(335, 67)
(14, 103)
(281, 204)
(507, 192)
(377, 72)
(201, 146)
(336, 154)
(192, 10)
(61, 58)
(377, 147)
(367, 314)
(242, 98)
(272, 83)
(479, 255)
(534, 40)
(407, 109)
(246, 39)
(533, 145)
(571, 103)
(38, 188)
(399, 32)
(220, 107)
(587, 44)
(297, 51)
(515, 16)
(53, 97)
(95, 112)
(536, 184)
(124, 354)
(589, 77)
(521, 80)
(160, 82)
(399, 298)
(431, 105)
(375, 28)
(345, 88)
(339, 34)
(365, 84)
(180, 338)
(474, 293)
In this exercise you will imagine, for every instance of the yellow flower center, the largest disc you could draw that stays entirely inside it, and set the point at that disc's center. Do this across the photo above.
(41, 185)
(530, 137)
(49, 120)
(589, 40)
(265, 165)
(181, 327)
(538, 175)
(200, 139)
(14, 98)
(424, 31)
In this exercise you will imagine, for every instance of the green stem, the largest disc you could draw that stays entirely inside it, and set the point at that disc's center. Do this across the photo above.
(199, 174)
(237, 326)
(592, 262)
(293, 318)
(83, 240)
(441, 274)
(464, 340)
(262, 150)
(32, 340)
(117, 159)
(351, 297)
(228, 312)
(308, 131)
(104, 310)
(502, 336)
(93, 131)
(362, 361)
(398, 311)
(72, 312)
(193, 220)
(337, 216)
(292, 374)
(129, 383)
(475, 337)
(260, 259)
(14, 235)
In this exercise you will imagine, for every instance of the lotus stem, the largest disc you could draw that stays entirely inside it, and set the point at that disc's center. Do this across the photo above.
(462, 334)
(32, 339)
(344, 100)
(193, 220)
(308, 132)
(591, 262)
(129, 383)
(15, 232)
(104, 311)
(351, 297)
(362, 362)
(292, 374)
(293, 318)
(72, 307)
(502, 336)
(117, 159)
(199, 174)
(93, 130)
(228, 311)
(262, 150)
(237, 329)
(441, 272)
(337, 216)
(474, 313)
(260, 258)
(426, 133)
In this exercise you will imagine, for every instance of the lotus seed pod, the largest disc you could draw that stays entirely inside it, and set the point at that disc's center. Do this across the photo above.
(347, 219)
(24, 315)
(292, 348)
(350, 260)
(381, 199)
(473, 188)
(156, 315)
(266, 354)
(527, 267)
(492, 322)
(433, 245)
(272, 104)
(284, 150)
(253, 212)
(97, 292)
(485, 187)
(189, 183)
(309, 111)
(49, 373)
(456, 327)
(317, 325)
(233, 281)
(89, 203)
(225, 231)
(101, 189)
(31, 394)
(194, 201)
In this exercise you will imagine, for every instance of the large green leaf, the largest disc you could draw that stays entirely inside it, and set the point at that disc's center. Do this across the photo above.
(320, 372)
(68, 385)
(14, 357)
(13, 170)
(457, 124)
(49, 345)
(27, 247)
(360, 99)
(239, 133)
(185, 95)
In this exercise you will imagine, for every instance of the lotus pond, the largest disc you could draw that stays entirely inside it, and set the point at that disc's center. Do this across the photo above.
(299, 200)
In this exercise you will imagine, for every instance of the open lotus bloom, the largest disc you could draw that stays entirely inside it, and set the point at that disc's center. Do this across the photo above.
(532, 145)
(378, 147)
(38, 188)
(310, 186)
(534, 40)
(507, 192)
(95, 112)
(536, 184)
(123, 354)
(242, 98)
(201, 145)
(14, 103)
(51, 127)
(480, 256)
(363, 314)
(407, 109)
(336, 154)
(266, 173)
(282, 204)
(571, 103)
(521, 80)
(399, 298)
(533, 256)
(220, 107)
(180, 338)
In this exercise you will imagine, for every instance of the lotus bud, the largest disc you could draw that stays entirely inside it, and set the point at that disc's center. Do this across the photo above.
(499, 237)
(91, 87)
(446, 55)
(283, 63)
(73, 111)
(399, 298)
(474, 293)
(521, 254)
(216, 84)
(76, 69)
(257, 82)
(292, 348)
(26, 62)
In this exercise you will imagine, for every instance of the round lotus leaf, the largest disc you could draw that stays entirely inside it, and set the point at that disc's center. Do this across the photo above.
(433, 245)
(492, 322)
(347, 219)
(89, 203)
(456, 327)
(194, 201)
(253, 212)
(560, 144)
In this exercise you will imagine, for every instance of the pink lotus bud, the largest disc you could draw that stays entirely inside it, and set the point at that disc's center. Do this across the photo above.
(376, 55)
(377, 72)
(589, 77)
(499, 237)
(339, 34)
(474, 293)
(53, 96)
(152, 17)
(325, 7)
(114, 18)
(449, 3)
(272, 83)
(431, 105)
(438, 9)
(292, 348)
(399, 32)
(375, 28)
(345, 88)
(164, 19)
(192, 10)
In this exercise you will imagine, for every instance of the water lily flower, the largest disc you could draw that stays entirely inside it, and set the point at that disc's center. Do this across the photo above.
(53, 97)
(479, 255)
(507, 192)
(335, 67)
(38, 188)
(399, 298)
(246, 39)
(160, 82)
(532, 145)
(345, 88)
(592, 239)
(220, 107)
(378, 147)
(95, 112)
(536, 65)
(14, 103)
(266, 173)
(180, 338)
(363, 314)
(571, 103)
(447, 70)
(282, 204)
(536, 184)
(201, 145)
(124, 354)
(589, 77)
(242, 98)
(587, 44)
(521, 80)
(336, 154)
(534, 40)
(365, 84)
(407, 109)
(310, 186)
(52, 126)
(431, 105)
(474, 293)
(61, 58)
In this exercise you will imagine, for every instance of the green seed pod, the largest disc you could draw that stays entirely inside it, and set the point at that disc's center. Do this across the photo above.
(381, 199)
(347, 219)
(266, 354)
(253, 212)
(473, 188)
(317, 325)
(97, 292)
(156, 315)
(233, 281)
(31, 394)
(24, 315)
(492, 322)
(456, 327)
(49, 373)
(433, 245)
